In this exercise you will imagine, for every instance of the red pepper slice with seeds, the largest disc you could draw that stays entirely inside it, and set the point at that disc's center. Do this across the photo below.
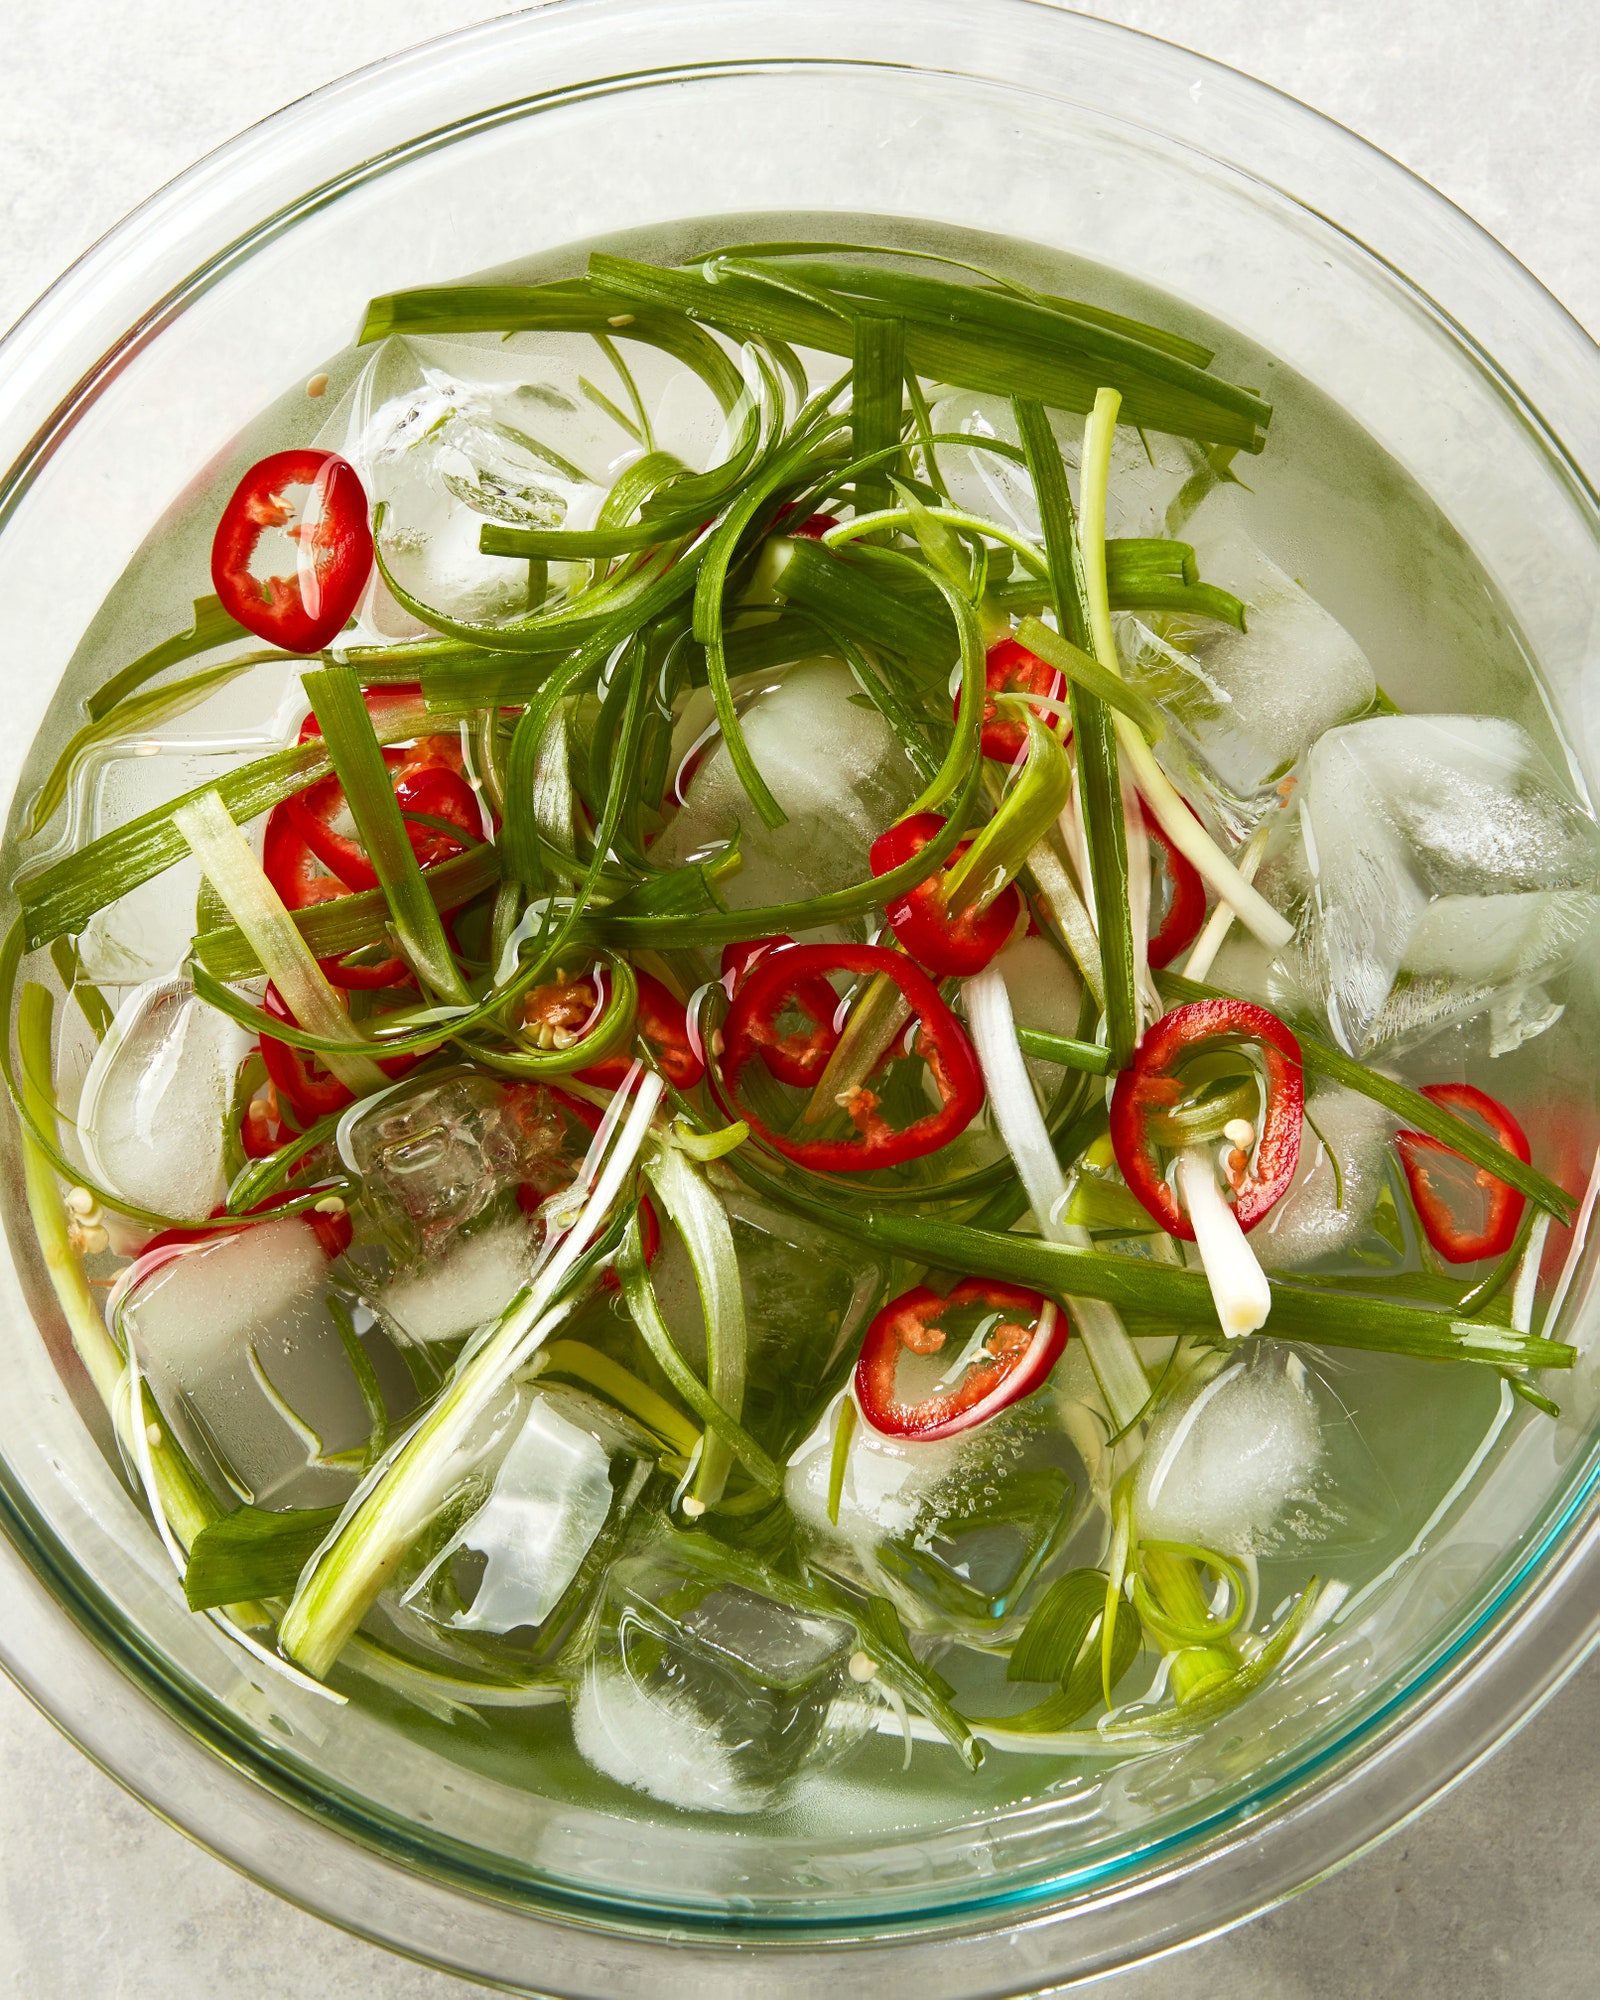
(800, 1054)
(1008, 1339)
(662, 1022)
(1445, 1186)
(1009, 668)
(1152, 1089)
(811, 529)
(261, 1127)
(428, 785)
(755, 1024)
(949, 944)
(309, 857)
(333, 1230)
(298, 1076)
(317, 500)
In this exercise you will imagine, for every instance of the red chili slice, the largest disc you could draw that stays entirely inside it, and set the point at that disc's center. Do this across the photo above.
(303, 608)
(1153, 1083)
(547, 1117)
(797, 1055)
(663, 1023)
(390, 698)
(1017, 1353)
(433, 792)
(754, 1025)
(811, 529)
(294, 871)
(419, 787)
(1185, 913)
(298, 1076)
(427, 778)
(1009, 668)
(333, 1231)
(261, 1129)
(1440, 1178)
(950, 946)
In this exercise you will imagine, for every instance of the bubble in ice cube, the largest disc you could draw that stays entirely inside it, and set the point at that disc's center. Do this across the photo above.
(1247, 705)
(835, 767)
(153, 1110)
(247, 1365)
(704, 1694)
(1450, 869)
(432, 1157)
(1155, 480)
(1228, 1456)
(954, 1530)
(1325, 1211)
(471, 1281)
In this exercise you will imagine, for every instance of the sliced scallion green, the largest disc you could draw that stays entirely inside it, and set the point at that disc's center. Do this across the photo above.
(335, 696)
(230, 865)
(1105, 832)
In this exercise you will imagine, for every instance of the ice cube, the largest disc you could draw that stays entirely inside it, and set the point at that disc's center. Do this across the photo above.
(152, 1113)
(450, 434)
(705, 1695)
(1155, 479)
(1246, 705)
(955, 1530)
(471, 1281)
(1227, 1457)
(448, 437)
(246, 1363)
(432, 1157)
(553, 1493)
(146, 933)
(832, 763)
(806, 1294)
(1450, 869)
(1323, 1211)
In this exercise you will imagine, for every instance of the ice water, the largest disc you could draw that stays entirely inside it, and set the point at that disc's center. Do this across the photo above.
(699, 1699)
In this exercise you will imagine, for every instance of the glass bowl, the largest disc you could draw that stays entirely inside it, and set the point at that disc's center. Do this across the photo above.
(120, 396)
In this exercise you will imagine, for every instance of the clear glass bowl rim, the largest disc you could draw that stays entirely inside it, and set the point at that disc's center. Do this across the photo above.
(119, 1707)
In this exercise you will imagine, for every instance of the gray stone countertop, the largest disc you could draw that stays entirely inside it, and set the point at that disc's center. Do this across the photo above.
(1488, 1894)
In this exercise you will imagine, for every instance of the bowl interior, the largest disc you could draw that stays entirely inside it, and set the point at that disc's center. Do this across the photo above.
(1411, 484)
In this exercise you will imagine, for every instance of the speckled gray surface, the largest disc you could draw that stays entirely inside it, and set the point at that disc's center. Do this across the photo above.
(1490, 1893)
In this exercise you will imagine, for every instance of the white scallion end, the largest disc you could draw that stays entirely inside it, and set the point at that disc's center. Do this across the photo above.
(1238, 1284)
